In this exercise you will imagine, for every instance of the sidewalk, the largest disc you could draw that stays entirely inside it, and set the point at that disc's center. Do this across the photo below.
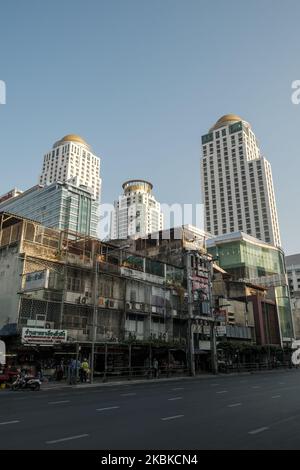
(99, 383)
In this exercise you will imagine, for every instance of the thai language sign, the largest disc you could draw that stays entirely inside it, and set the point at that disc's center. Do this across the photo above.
(43, 336)
(37, 280)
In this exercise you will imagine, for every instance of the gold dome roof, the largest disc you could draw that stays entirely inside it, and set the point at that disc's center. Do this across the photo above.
(224, 120)
(73, 138)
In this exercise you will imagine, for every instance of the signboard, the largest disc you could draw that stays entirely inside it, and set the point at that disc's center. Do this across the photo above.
(37, 280)
(43, 336)
(221, 330)
(2, 353)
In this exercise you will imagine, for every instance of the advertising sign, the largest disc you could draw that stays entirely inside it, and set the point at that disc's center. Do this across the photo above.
(37, 280)
(43, 336)
(2, 353)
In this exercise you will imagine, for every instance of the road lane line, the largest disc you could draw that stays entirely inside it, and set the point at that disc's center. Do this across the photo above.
(214, 385)
(172, 417)
(222, 391)
(9, 422)
(276, 396)
(259, 430)
(234, 404)
(58, 402)
(175, 398)
(71, 438)
(108, 408)
(127, 394)
(256, 386)
(178, 388)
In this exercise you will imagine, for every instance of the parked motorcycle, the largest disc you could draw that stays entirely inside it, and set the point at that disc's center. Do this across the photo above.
(26, 382)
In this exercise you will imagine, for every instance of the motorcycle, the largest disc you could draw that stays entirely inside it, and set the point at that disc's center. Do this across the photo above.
(26, 382)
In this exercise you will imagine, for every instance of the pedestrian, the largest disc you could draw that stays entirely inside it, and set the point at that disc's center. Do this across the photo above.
(155, 368)
(60, 370)
(84, 370)
(74, 368)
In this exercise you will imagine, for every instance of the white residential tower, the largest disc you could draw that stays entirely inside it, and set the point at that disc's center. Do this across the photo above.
(136, 213)
(237, 184)
(71, 158)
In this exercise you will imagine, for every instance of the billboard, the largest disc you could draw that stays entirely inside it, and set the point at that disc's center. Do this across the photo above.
(2, 353)
(41, 336)
(36, 280)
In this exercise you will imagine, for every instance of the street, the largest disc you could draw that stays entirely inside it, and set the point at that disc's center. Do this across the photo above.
(259, 411)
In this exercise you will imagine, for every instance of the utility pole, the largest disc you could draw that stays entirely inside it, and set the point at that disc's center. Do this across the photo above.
(95, 310)
(213, 342)
(190, 335)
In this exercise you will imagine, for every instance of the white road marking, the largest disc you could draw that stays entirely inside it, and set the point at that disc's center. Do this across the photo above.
(175, 398)
(127, 394)
(276, 396)
(58, 402)
(178, 388)
(234, 404)
(223, 391)
(172, 417)
(281, 383)
(214, 385)
(71, 438)
(257, 431)
(9, 422)
(108, 408)
(256, 386)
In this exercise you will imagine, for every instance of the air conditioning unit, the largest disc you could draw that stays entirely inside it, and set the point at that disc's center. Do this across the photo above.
(128, 305)
(137, 306)
(41, 317)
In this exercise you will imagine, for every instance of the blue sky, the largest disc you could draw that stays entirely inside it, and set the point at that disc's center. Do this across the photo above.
(141, 81)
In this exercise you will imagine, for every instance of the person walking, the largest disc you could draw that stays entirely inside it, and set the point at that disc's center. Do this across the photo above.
(85, 368)
(155, 368)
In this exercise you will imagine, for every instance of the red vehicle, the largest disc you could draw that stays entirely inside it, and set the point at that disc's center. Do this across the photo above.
(7, 375)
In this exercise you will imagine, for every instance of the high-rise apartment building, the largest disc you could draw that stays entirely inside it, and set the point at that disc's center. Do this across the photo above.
(237, 184)
(136, 213)
(71, 157)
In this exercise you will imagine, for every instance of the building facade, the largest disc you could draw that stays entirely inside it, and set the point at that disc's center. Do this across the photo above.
(63, 206)
(86, 290)
(293, 272)
(72, 157)
(136, 213)
(237, 184)
(248, 259)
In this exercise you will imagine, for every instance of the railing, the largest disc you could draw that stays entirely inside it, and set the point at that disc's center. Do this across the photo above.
(253, 367)
(140, 372)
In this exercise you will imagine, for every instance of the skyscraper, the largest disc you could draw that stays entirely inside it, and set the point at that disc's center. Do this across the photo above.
(58, 205)
(136, 213)
(237, 184)
(71, 158)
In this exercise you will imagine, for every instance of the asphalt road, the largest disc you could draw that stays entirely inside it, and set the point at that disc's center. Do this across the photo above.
(260, 411)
